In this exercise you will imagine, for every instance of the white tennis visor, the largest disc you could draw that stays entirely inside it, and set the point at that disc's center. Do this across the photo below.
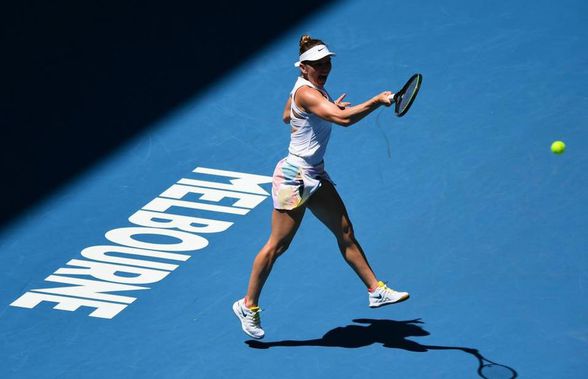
(315, 53)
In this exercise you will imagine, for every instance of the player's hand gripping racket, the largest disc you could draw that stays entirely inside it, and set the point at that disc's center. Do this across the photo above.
(404, 98)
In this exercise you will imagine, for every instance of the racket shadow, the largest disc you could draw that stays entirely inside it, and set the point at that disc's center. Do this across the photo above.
(391, 334)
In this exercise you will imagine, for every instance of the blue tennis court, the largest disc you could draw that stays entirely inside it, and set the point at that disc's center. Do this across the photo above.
(130, 268)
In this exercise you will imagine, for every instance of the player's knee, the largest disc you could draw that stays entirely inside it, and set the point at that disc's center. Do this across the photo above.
(277, 248)
(347, 236)
(282, 247)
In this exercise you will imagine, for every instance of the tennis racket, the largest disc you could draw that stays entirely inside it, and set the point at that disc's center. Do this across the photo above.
(404, 98)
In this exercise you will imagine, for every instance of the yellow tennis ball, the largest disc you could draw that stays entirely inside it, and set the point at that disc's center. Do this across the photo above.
(558, 147)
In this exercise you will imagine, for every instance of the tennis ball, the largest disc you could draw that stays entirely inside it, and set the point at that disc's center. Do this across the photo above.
(558, 147)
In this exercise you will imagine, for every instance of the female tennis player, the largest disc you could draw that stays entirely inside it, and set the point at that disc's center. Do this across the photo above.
(300, 182)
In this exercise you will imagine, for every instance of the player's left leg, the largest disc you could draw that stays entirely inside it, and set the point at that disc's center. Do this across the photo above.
(328, 207)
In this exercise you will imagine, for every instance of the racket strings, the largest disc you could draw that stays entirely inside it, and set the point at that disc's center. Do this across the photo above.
(407, 94)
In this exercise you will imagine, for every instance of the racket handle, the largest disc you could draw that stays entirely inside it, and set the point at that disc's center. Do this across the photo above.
(392, 97)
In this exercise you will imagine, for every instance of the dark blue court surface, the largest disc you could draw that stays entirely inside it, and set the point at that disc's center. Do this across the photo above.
(461, 203)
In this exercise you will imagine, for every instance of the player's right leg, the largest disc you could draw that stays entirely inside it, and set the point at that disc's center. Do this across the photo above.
(285, 223)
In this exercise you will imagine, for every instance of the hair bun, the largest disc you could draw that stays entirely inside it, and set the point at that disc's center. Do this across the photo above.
(305, 39)
(306, 42)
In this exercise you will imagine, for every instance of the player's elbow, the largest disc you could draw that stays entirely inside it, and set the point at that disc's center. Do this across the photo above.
(343, 118)
(286, 117)
(344, 122)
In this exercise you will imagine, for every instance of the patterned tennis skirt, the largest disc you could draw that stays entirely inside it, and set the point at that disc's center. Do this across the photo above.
(294, 182)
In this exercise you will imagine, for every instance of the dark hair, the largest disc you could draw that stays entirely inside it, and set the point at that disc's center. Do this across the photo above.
(306, 42)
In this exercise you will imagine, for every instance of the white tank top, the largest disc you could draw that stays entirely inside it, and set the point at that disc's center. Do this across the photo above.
(311, 133)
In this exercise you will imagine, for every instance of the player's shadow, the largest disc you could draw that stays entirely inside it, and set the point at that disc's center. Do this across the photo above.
(391, 334)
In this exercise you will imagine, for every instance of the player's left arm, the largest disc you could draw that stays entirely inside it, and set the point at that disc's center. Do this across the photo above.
(286, 114)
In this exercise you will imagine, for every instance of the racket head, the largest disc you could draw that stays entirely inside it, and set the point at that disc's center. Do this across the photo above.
(405, 97)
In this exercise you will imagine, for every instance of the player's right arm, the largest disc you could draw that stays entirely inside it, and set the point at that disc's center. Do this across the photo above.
(313, 101)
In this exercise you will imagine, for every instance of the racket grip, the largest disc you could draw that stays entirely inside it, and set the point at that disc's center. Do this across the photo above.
(392, 97)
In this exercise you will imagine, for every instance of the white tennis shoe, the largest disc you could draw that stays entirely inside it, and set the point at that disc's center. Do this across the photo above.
(383, 295)
(250, 319)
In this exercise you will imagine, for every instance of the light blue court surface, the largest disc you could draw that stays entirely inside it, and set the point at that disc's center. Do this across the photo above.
(460, 202)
